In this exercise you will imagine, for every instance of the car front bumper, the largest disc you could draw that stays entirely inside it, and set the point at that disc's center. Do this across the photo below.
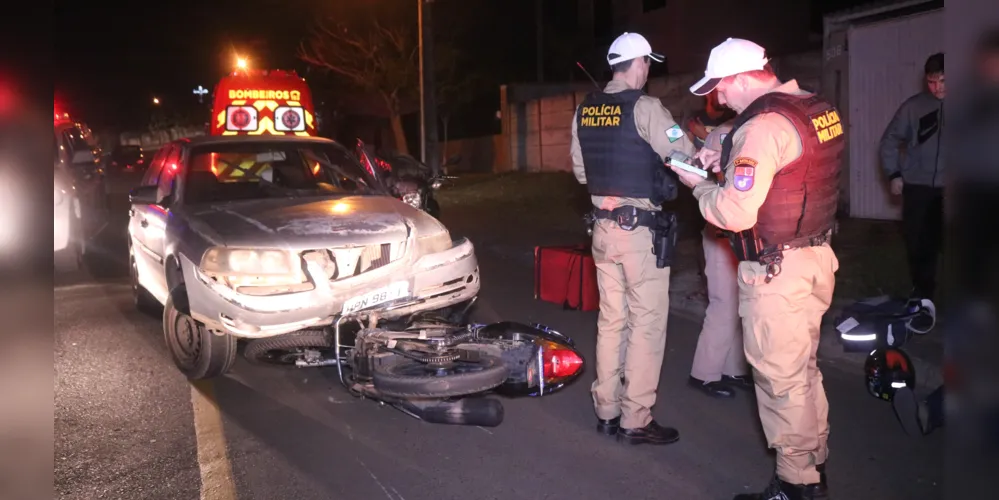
(434, 281)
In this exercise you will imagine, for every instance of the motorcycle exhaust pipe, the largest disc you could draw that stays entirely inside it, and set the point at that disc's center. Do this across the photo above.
(483, 412)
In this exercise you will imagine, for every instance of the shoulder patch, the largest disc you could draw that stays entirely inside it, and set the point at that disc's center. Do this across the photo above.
(674, 133)
(744, 173)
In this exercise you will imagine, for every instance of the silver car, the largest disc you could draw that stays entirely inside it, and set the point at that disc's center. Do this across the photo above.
(243, 237)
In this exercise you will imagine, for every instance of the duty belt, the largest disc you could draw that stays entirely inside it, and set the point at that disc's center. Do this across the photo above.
(627, 216)
(748, 247)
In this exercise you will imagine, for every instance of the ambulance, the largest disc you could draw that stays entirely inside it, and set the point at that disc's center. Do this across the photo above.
(259, 102)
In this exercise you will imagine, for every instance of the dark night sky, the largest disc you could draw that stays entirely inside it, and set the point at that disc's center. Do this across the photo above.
(113, 57)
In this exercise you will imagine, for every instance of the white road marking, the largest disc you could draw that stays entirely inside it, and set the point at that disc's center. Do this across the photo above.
(373, 476)
(213, 459)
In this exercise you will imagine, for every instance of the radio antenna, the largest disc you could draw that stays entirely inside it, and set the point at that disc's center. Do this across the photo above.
(595, 84)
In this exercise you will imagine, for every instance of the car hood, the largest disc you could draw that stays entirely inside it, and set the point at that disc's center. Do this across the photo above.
(303, 223)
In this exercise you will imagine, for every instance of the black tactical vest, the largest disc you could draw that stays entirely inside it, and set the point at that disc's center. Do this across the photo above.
(618, 162)
(804, 194)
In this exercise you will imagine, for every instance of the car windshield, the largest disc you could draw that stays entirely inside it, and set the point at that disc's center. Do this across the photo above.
(253, 170)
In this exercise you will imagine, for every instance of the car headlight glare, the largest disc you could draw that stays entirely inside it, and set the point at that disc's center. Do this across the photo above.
(255, 271)
(239, 261)
(433, 243)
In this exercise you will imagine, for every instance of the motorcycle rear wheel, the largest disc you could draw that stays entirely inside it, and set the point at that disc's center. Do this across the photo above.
(403, 377)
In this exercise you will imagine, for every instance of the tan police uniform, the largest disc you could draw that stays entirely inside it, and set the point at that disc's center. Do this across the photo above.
(781, 311)
(634, 294)
(719, 349)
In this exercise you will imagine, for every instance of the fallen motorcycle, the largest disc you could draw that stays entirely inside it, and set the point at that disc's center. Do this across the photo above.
(431, 365)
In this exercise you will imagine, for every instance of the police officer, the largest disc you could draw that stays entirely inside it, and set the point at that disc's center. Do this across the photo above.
(706, 119)
(781, 166)
(917, 174)
(620, 137)
(719, 363)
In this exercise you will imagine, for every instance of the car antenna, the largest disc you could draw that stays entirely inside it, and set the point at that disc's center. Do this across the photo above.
(595, 84)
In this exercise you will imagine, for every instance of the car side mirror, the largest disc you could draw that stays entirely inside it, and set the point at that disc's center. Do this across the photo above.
(143, 195)
(83, 156)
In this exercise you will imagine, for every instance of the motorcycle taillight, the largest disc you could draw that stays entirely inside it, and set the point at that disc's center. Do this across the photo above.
(559, 362)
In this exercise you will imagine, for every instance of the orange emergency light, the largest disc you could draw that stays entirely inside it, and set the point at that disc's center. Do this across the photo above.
(263, 102)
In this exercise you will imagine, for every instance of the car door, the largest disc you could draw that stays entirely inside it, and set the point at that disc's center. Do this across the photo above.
(147, 225)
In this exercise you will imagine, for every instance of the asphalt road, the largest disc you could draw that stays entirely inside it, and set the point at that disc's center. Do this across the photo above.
(129, 426)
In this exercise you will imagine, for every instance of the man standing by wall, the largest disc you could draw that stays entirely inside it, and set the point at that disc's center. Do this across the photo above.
(781, 162)
(619, 139)
(917, 174)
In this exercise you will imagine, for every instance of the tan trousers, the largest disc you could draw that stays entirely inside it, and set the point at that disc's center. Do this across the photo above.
(781, 321)
(719, 346)
(631, 329)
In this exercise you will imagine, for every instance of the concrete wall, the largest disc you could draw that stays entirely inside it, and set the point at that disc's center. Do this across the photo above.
(478, 154)
(153, 140)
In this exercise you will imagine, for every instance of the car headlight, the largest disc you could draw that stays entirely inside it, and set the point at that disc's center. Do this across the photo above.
(255, 272)
(412, 199)
(433, 243)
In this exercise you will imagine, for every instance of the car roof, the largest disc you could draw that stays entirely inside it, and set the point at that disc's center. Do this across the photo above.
(204, 140)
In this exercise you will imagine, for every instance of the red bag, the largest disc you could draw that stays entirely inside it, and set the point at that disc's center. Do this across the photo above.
(567, 276)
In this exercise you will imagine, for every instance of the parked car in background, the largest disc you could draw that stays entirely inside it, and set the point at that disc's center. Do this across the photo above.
(405, 177)
(79, 199)
(127, 158)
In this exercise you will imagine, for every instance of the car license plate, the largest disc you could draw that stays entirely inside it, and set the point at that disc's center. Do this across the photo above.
(389, 293)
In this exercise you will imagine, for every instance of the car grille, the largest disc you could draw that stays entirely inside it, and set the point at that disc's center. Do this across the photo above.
(346, 262)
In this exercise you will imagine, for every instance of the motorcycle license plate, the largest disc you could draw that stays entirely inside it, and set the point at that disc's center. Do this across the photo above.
(395, 291)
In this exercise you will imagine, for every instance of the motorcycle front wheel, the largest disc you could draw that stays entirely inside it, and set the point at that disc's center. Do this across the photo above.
(403, 377)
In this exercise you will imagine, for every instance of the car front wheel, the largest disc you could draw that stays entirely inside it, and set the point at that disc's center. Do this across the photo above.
(198, 353)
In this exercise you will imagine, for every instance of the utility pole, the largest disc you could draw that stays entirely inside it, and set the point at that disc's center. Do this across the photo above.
(433, 158)
(423, 99)
(539, 21)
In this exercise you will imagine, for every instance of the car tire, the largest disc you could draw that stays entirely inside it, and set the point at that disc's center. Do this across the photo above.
(141, 298)
(278, 350)
(401, 377)
(197, 352)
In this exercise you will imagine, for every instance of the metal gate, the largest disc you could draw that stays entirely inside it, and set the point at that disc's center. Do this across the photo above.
(886, 68)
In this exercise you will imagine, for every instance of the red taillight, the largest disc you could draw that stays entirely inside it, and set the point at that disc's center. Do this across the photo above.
(558, 361)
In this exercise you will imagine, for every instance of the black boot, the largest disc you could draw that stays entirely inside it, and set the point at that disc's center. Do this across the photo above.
(650, 434)
(779, 489)
(714, 389)
(609, 427)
